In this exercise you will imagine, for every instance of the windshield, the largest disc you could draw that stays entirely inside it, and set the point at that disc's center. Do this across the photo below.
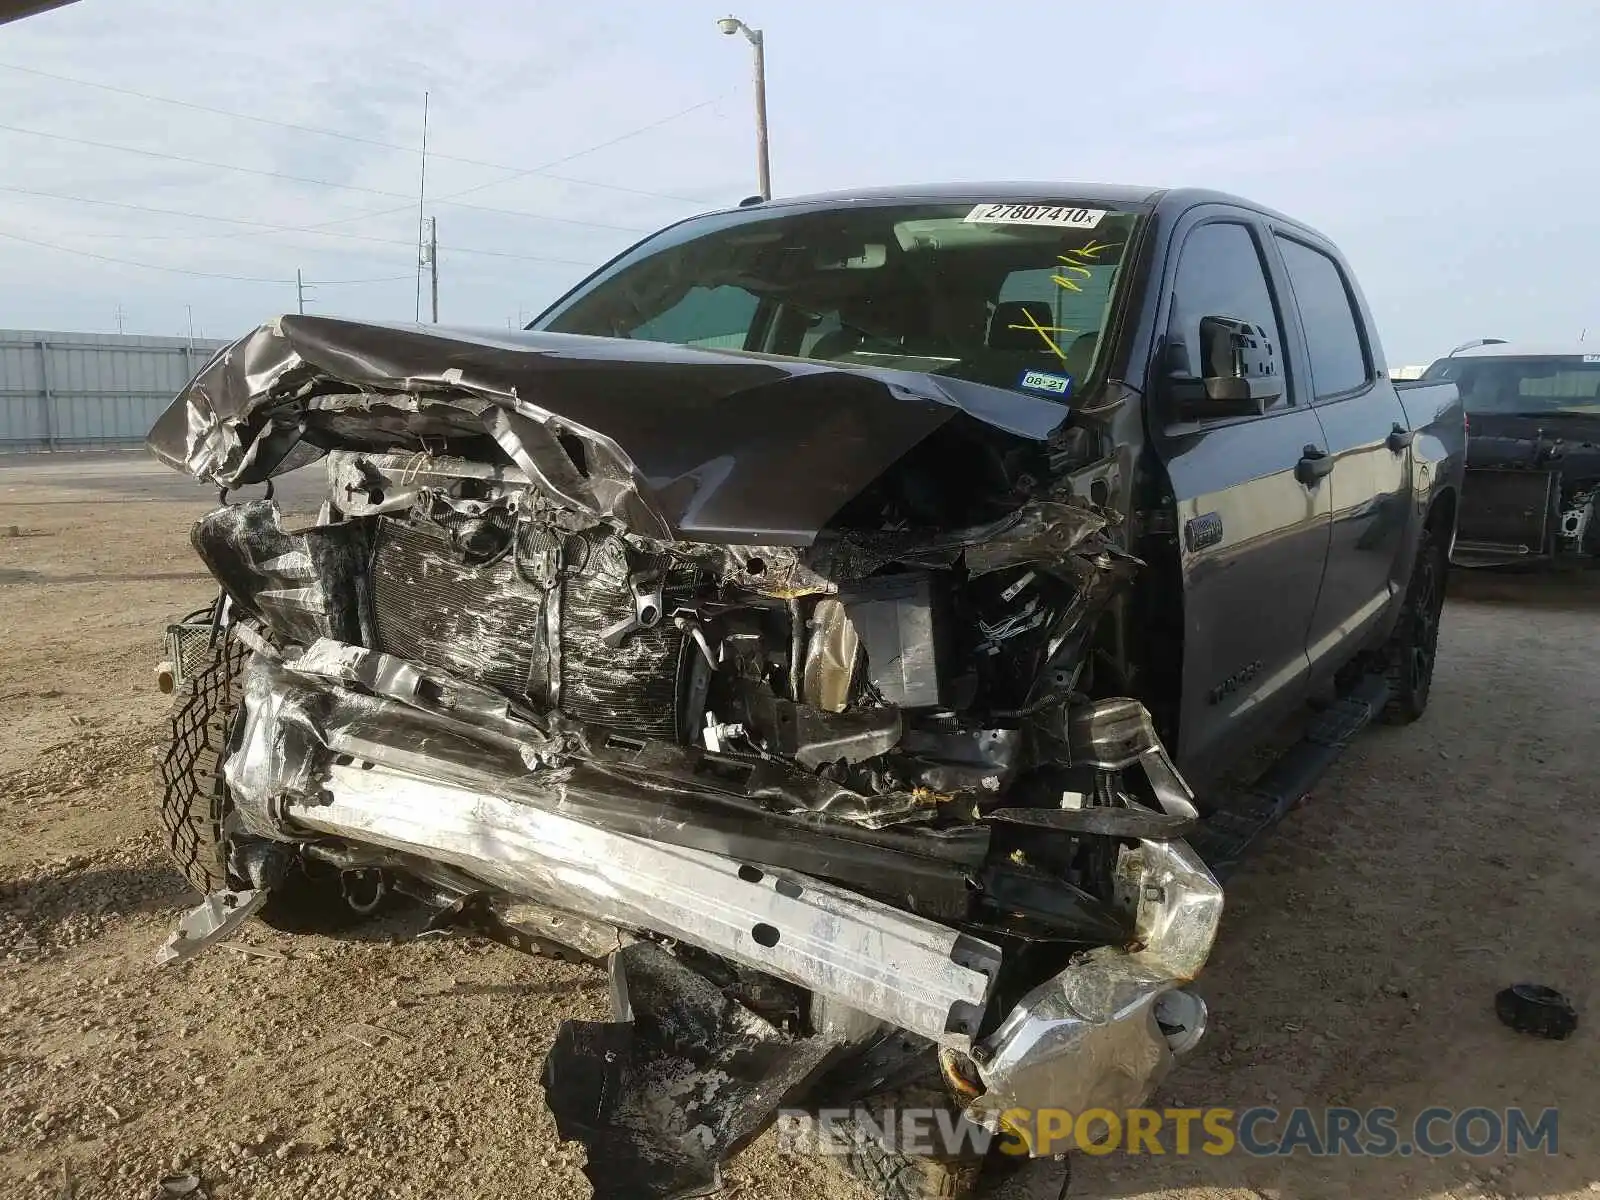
(1008, 294)
(1534, 386)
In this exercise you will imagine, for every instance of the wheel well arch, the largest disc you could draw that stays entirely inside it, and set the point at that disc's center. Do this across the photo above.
(1441, 517)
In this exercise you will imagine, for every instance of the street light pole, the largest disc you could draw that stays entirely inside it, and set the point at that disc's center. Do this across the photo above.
(731, 26)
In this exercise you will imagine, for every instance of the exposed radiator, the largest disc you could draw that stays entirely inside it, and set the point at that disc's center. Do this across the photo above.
(488, 625)
(634, 687)
(481, 623)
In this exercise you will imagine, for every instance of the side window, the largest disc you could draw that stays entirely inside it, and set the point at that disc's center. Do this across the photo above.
(1333, 336)
(824, 326)
(1220, 274)
(718, 317)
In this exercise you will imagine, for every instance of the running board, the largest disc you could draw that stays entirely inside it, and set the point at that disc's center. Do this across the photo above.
(1228, 832)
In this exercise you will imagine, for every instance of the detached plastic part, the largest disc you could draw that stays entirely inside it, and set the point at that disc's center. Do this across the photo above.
(218, 916)
(1536, 1009)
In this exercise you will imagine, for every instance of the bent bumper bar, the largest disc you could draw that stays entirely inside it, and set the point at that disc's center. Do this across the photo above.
(317, 760)
(905, 969)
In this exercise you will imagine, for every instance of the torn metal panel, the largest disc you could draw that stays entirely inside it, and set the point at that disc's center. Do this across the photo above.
(1117, 733)
(1042, 532)
(981, 761)
(682, 1079)
(814, 738)
(670, 440)
(302, 585)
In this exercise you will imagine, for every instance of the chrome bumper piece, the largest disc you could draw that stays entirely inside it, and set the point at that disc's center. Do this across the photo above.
(1105, 1031)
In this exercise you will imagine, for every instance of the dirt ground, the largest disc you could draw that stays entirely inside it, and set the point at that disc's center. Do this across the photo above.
(1357, 963)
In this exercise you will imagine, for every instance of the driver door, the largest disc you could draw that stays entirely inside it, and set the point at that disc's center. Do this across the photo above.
(1253, 535)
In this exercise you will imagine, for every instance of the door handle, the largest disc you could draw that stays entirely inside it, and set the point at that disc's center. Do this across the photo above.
(1315, 465)
(1399, 438)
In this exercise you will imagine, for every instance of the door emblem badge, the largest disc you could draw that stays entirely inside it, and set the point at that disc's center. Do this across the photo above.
(1203, 532)
(1233, 683)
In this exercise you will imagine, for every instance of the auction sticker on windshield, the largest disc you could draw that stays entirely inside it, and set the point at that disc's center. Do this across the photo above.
(1060, 215)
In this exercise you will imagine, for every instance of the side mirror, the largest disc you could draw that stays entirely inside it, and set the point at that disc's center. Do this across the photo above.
(1240, 372)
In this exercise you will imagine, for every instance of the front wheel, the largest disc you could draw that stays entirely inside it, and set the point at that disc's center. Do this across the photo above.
(1413, 647)
(892, 1172)
(195, 807)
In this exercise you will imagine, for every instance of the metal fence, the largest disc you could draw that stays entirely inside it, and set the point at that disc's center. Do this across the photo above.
(72, 391)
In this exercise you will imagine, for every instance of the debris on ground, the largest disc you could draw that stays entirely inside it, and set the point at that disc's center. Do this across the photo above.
(1536, 1009)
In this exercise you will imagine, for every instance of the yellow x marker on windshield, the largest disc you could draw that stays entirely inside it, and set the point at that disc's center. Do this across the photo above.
(1044, 331)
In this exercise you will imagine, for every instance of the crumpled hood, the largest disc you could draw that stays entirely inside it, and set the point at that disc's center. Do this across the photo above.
(675, 441)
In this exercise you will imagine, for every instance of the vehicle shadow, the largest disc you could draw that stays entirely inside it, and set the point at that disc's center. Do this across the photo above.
(44, 578)
(1565, 590)
(63, 907)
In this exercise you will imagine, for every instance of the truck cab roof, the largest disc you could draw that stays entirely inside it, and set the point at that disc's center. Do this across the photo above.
(1529, 350)
(1121, 195)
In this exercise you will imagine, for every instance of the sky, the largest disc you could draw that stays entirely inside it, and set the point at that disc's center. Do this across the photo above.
(1448, 149)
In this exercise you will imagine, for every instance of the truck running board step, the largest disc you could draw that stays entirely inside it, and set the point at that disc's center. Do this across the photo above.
(1228, 832)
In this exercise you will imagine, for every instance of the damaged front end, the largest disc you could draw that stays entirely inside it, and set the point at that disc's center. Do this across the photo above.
(768, 704)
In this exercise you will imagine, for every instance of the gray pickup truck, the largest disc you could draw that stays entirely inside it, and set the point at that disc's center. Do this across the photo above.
(835, 615)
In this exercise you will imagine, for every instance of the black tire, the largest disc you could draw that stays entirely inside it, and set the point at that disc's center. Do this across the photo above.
(194, 800)
(892, 1174)
(1413, 647)
(195, 805)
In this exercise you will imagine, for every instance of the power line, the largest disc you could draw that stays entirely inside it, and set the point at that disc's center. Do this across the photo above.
(542, 169)
(265, 227)
(17, 237)
(516, 172)
(349, 187)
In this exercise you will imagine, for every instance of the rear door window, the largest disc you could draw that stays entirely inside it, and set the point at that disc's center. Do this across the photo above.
(1327, 311)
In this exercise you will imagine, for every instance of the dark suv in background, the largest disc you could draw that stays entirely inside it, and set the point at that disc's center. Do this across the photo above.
(1533, 460)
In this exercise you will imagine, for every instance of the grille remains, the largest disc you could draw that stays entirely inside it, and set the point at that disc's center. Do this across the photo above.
(488, 625)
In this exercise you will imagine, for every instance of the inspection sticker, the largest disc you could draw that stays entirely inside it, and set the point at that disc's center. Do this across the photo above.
(1063, 216)
(1044, 381)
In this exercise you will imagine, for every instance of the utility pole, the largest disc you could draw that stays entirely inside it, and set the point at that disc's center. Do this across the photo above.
(433, 263)
(120, 315)
(422, 197)
(300, 286)
(731, 26)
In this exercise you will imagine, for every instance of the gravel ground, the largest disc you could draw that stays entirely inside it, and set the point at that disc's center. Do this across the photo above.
(1357, 963)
